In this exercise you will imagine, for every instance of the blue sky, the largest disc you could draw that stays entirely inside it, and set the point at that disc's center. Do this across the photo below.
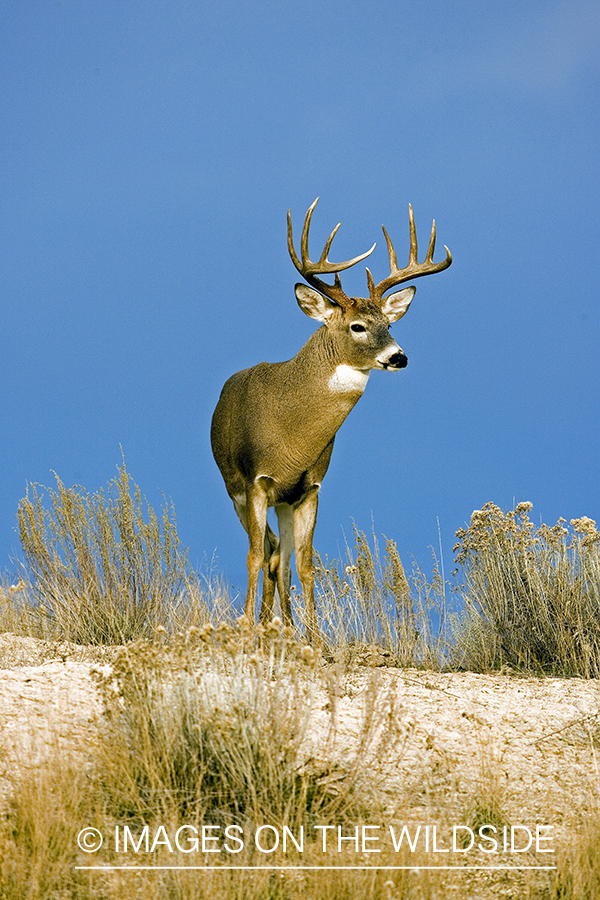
(148, 154)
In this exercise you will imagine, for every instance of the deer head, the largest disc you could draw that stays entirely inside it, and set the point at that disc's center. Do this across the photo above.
(360, 325)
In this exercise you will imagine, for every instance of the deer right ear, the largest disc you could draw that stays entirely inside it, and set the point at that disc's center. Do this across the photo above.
(313, 303)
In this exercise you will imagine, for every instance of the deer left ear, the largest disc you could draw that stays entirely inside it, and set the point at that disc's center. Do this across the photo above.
(394, 306)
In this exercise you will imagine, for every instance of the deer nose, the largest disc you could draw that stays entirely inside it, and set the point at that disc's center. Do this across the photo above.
(398, 360)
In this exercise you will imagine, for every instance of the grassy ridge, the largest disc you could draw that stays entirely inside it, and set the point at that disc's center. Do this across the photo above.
(206, 717)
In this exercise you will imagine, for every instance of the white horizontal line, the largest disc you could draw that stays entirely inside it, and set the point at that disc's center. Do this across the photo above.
(315, 868)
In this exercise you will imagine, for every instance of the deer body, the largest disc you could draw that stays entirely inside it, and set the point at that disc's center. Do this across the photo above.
(274, 426)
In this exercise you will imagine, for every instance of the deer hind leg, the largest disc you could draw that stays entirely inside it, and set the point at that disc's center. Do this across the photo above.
(305, 517)
(255, 522)
(285, 519)
(270, 567)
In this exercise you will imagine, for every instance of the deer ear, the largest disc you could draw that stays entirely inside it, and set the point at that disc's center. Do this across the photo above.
(313, 303)
(394, 306)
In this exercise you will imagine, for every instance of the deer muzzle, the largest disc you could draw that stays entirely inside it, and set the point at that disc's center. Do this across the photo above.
(398, 360)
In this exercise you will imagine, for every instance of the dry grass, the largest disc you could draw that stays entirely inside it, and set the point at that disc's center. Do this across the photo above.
(578, 874)
(18, 612)
(215, 723)
(101, 569)
(368, 601)
(531, 594)
(203, 731)
(206, 718)
(206, 730)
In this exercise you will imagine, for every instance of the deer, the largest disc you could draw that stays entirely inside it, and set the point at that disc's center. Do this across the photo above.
(274, 426)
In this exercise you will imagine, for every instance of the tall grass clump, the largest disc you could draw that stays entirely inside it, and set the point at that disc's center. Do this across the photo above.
(531, 594)
(102, 569)
(17, 613)
(201, 730)
(209, 728)
(577, 875)
(367, 600)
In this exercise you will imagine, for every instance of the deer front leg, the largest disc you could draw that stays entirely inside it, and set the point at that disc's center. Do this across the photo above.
(256, 524)
(305, 517)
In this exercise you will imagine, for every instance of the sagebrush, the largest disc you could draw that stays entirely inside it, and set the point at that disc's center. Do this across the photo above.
(531, 594)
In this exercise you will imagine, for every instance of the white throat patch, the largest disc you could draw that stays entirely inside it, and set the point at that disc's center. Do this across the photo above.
(346, 378)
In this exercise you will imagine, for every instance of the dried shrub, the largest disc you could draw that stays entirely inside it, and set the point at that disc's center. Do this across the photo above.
(209, 727)
(101, 569)
(531, 594)
(368, 601)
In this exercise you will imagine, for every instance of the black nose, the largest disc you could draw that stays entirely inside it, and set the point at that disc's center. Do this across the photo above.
(398, 360)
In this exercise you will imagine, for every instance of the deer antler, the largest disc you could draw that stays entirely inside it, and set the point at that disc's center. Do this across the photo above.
(309, 270)
(414, 269)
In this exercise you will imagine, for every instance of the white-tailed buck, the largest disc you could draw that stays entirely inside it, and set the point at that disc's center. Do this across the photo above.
(274, 426)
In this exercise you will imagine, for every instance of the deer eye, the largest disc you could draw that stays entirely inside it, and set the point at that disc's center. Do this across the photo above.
(357, 328)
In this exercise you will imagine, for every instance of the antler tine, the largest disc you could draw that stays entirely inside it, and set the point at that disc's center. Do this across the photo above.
(324, 261)
(414, 250)
(414, 269)
(431, 248)
(305, 230)
(391, 251)
(309, 270)
(370, 283)
(290, 242)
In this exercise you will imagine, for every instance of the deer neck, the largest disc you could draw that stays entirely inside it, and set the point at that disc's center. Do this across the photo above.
(336, 383)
